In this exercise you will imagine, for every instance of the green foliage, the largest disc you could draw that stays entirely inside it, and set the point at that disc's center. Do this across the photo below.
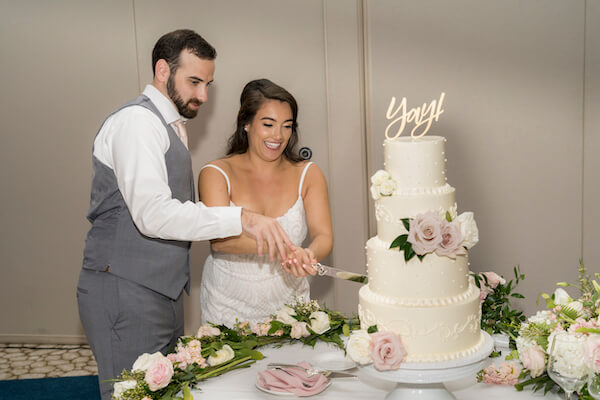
(497, 313)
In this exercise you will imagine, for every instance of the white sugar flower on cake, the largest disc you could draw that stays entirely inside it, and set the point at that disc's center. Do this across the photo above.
(382, 184)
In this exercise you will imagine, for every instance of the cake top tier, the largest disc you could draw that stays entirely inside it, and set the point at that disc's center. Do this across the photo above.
(416, 162)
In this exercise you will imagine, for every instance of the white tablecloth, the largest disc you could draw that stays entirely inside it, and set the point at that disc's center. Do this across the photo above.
(240, 384)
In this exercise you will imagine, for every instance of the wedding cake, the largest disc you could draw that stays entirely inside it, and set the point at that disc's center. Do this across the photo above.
(419, 283)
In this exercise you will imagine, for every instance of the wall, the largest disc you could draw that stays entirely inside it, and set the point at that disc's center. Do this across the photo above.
(522, 87)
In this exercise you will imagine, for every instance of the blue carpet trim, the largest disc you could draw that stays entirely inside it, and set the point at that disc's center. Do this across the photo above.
(76, 387)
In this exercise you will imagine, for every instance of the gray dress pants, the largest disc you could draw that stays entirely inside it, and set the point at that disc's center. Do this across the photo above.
(123, 320)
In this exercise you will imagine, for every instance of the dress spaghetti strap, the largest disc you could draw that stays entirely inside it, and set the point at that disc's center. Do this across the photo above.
(224, 174)
(302, 178)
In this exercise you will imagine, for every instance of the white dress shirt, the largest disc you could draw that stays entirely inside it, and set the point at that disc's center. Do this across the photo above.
(133, 143)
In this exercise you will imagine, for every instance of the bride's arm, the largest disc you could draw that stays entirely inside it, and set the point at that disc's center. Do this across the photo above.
(318, 218)
(212, 190)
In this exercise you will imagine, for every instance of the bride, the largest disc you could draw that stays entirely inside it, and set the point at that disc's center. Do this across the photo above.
(263, 173)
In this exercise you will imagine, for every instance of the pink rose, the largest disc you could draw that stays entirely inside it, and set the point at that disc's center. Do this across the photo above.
(425, 233)
(261, 328)
(503, 374)
(451, 244)
(534, 359)
(159, 374)
(591, 352)
(299, 330)
(493, 279)
(387, 350)
(208, 330)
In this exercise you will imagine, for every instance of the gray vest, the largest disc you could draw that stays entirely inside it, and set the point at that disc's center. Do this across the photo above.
(114, 241)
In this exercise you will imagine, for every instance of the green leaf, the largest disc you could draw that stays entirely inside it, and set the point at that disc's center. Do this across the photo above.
(406, 223)
(346, 330)
(448, 216)
(517, 295)
(400, 241)
(187, 394)
(372, 329)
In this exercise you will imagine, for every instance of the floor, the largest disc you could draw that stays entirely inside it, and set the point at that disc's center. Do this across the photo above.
(29, 361)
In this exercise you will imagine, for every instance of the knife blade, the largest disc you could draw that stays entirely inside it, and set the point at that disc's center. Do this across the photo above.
(329, 374)
(340, 273)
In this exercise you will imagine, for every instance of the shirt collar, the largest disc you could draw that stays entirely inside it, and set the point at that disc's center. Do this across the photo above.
(164, 105)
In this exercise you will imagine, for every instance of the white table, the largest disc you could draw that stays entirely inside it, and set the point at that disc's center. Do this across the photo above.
(240, 384)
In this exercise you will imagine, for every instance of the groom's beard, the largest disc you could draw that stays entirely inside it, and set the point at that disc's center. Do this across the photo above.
(182, 108)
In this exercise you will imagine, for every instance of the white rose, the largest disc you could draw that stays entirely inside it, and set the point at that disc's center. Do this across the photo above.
(285, 315)
(561, 297)
(145, 360)
(357, 348)
(223, 355)
(468, 229)
(121, 387)
(375, 194)
(379, 177)
(387, 188)
(541, 317)
(577, 306)
(319, 322)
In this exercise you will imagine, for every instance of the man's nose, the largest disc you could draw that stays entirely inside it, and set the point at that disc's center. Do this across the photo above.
(202, 94)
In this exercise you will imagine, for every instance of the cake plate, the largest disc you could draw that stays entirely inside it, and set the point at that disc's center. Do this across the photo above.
(424, 381)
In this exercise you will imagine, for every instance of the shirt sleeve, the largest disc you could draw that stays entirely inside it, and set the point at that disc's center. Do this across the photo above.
(135, 143)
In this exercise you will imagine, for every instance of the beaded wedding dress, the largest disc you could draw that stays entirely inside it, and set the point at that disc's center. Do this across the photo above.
(247, 287)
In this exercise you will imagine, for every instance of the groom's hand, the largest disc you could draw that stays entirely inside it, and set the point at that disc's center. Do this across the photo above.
(266, 229)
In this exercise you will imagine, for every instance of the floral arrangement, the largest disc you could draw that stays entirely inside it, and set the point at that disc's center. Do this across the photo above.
(574, 321)
(382, 184)
(383, 349)
(440, 234)
(497, 314)
(217, 349)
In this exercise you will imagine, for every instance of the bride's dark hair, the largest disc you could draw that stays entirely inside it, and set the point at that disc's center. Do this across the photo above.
(253, 96)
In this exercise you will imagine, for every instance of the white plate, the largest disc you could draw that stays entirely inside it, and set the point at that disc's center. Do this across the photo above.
(332, 361)
(278, 393)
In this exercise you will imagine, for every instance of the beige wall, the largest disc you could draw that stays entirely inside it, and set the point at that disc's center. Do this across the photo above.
(522, 87)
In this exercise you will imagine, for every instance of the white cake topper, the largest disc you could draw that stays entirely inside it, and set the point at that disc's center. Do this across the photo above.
(422, 116)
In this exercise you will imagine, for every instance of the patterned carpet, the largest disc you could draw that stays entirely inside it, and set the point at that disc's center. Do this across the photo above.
(30, 361)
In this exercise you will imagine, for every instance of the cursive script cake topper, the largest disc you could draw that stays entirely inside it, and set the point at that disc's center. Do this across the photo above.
(422, 116)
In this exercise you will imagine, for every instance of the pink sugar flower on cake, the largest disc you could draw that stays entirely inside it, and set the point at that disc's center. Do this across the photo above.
(387, 350)
(451, 243)
(425, 233)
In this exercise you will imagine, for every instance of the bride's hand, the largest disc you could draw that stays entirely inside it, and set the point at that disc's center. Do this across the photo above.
(299, 262)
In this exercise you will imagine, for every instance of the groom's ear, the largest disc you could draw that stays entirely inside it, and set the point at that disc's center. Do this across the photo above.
(162, 71)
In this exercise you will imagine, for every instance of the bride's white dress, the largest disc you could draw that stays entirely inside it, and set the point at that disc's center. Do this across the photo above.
(247, 287)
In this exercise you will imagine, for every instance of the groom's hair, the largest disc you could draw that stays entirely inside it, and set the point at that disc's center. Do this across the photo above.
(253, 96)
(170, 46)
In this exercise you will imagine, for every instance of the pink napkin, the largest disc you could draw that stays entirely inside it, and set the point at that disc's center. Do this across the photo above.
(293, 380)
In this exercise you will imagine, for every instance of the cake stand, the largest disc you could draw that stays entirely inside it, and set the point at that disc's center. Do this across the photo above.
(424, 381)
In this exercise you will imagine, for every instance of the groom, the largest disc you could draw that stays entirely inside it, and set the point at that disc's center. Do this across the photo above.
(143, 214)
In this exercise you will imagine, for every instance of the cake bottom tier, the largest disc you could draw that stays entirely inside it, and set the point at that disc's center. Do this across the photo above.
(429, 333)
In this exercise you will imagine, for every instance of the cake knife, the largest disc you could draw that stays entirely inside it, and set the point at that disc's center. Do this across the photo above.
(339, 273)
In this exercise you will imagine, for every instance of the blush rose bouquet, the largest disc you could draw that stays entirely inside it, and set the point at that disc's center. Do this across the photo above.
(574, 320)
(217, 349)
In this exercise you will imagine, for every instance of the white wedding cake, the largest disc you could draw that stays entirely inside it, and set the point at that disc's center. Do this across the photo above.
(421, 288)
